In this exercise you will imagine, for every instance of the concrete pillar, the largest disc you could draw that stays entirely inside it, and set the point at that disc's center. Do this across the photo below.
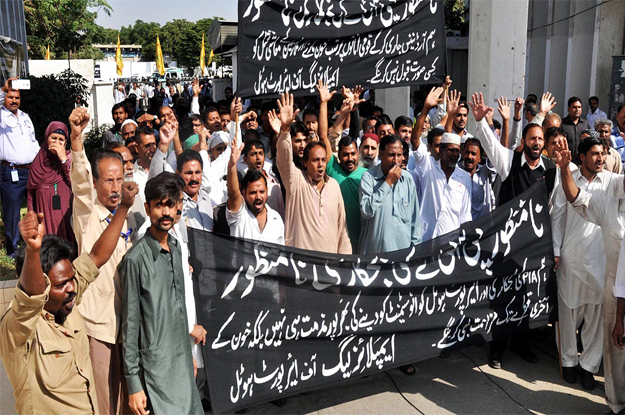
(609, 41)
(102, 96)
(394, 101)
(538, 47)
(580, 51)
(497, 44)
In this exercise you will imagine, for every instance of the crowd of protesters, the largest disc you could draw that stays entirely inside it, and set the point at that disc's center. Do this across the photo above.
(330, 173)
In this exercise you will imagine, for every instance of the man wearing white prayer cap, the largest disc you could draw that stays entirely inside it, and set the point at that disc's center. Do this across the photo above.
(446, 201)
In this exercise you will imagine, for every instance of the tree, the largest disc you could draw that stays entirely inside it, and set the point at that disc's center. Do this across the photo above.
(56, 97)
(67, 26)
(456, 14)
(189, 50)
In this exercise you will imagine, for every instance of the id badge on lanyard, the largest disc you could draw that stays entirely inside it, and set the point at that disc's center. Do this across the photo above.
(15, 176)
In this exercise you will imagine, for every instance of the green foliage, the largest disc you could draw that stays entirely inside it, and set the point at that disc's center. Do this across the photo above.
(179, 38)
(67, 26)
(93, 139)
(55, 99)
(456, 15)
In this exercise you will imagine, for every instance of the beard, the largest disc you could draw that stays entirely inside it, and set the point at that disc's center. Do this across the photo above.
(367, 163)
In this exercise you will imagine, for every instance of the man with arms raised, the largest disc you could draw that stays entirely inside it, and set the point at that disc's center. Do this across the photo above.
(247, 212)
(314, 214)
(581, 270)
(344, 169)
(604, 209)
(43, 344)
(446, 187)
(92, 213)
(518, 171)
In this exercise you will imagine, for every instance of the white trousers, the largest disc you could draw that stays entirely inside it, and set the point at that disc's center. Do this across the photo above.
(570, 319)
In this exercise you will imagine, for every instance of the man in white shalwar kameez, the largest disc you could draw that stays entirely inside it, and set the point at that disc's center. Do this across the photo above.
(581, 270)
(607, 210)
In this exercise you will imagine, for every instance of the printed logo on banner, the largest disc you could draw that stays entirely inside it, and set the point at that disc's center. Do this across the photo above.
(287, 320)
(289, 45)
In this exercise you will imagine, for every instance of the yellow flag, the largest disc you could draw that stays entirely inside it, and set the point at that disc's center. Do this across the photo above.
(160, 65)
(48, 53)
(202, 57)
(210, 57)
(118, 57)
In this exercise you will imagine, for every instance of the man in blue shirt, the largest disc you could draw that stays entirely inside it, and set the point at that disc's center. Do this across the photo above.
(389, 206)
(18, 148)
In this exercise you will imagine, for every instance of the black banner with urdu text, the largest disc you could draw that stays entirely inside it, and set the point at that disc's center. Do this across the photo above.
(287, 45)
(282, 321)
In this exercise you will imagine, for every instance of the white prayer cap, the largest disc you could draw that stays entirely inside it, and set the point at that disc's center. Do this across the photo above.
(129, 121)
(450, 138)
(219, 137)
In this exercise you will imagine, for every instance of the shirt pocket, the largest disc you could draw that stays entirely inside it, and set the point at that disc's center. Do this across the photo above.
(403, 210)
(55, 362)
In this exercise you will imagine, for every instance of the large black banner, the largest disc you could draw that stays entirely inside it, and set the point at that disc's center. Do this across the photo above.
(290, 44)
(281, 321)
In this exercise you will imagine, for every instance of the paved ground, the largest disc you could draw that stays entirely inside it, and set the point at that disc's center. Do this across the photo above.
(462, 384)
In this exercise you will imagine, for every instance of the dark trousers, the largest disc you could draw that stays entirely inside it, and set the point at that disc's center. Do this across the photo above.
(520, 341)
(12, 197)
(202, 383)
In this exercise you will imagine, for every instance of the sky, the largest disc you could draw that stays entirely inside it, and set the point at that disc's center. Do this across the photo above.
(126, 12)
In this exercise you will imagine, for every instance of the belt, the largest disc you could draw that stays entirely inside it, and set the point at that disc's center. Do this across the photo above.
(17, 166)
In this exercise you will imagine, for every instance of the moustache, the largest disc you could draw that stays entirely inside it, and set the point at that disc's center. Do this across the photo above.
(164, 218)
(193, 183)
(70, 297)
(113, 195)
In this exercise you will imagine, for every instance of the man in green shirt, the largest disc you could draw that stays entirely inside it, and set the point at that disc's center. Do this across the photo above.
(158, 364)
(346, 171)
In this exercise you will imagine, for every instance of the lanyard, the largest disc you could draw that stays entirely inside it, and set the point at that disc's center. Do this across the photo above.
(125, 235)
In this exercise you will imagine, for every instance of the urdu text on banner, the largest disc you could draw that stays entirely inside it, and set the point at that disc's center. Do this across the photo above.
(282, 321)
(290, 44)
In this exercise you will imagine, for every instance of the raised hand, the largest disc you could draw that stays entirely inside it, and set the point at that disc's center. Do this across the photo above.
(129, 191)
(7, 84)
(168, 132)
(32, 230)
(324, 92)
(478, 107)
(358, 90)
(235, 108)
(452, 102)
(504, 108)
(78, 120)
(562, 156)
(518, 106)
(447, 82)
(196, 87)
(236, 150)
(203, 136)
(432, 99)
(145, 118)
(274, 121)
(547, 102)
(287, 113)
(346, 107)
